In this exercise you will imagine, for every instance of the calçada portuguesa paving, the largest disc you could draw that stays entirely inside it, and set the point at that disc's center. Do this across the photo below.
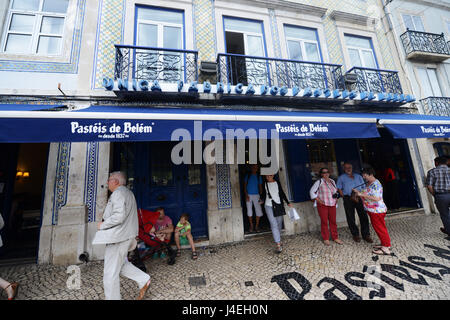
(251, 270)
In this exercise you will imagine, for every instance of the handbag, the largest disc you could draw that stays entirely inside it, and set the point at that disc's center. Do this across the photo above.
(278, 208)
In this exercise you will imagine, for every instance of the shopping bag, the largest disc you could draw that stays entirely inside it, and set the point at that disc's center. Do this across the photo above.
(293, 215)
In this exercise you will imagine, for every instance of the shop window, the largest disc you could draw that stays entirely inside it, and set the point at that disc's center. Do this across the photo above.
(442, 149)
(322, 155)
(35, 27)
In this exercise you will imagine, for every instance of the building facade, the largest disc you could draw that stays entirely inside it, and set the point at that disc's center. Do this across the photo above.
(332, 61)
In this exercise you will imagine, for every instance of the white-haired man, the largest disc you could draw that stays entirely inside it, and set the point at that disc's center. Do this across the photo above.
(118, 231)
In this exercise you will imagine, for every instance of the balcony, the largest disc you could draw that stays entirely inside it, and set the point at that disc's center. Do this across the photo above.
(375, 80)
(234, 68)
(437, 106)
(150, 64)
(423, 46)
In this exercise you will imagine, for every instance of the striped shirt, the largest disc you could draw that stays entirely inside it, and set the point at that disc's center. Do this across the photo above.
(439, 179)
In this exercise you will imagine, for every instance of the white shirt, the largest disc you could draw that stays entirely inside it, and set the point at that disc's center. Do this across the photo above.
(273, 189)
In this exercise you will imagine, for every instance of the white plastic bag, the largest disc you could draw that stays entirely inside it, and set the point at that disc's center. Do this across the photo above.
(293, 215)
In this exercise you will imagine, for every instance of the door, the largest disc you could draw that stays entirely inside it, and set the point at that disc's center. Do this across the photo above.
(245, 37)
(157, 182)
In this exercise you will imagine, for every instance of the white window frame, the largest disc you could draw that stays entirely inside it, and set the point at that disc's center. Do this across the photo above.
(360, 50)
(430, 83)
(160, 25)
(36, 34)
(302, 45)
(412, 19)
(246, 34)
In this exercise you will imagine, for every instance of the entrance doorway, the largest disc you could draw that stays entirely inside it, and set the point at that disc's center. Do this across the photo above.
(157, 182)
(22, 183)
(391, 161)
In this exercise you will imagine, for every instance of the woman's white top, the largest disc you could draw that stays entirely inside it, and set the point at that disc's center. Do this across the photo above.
(273, 189)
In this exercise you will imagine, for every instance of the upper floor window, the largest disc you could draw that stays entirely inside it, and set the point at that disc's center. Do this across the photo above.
(35, 27)
(413, 22)
(361, 52)
(302, 44)
(429, 82)
(159, 28)
(244, 37)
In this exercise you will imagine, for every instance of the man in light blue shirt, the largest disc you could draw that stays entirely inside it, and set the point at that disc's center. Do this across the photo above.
(346, 182)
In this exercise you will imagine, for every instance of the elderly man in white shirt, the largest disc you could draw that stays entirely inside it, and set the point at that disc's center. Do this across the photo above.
(118, 231)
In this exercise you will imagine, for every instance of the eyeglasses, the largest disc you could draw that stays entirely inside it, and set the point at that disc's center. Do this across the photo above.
(323, 172)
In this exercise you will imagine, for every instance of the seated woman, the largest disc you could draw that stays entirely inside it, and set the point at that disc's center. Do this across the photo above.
(183, 235)
(163, 228)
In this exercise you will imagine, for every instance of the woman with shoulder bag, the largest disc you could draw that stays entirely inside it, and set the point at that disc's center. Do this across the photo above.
(325, 193)
(11, 289)
(273, 197)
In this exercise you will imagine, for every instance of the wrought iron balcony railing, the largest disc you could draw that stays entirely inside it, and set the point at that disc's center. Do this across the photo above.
(423, 42)
(149, 63)
(438, 106)
(235, 68)
(375, 80)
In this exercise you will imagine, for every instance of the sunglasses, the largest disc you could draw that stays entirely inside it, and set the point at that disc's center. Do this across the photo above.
(323, 172)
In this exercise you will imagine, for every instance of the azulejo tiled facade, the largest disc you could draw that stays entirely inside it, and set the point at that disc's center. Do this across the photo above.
(70, 67)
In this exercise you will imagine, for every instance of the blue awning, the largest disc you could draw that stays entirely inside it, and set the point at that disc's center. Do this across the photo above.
(416, 126)
(104, 123)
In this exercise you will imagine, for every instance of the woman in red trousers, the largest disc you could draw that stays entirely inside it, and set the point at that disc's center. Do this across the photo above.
(322, 191)
(375, 207)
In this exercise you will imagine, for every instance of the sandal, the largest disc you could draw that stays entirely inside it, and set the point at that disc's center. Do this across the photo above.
(178, 252)
(381, 252)
(15, 288)
(378, 246)
(194, 255)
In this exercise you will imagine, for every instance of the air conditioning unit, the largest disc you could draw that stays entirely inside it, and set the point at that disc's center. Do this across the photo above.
(350, 78)
(208, 67)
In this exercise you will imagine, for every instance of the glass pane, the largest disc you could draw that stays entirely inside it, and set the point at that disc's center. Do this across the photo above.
(354, 58)
(358, 42)
(147, 35)
(194, 173)
(369, 60)
(418, 24)
(49, 45)
(161, 164)
(172, 38)
(26, 5)
(425, 83)
(300, 33)
(52, 25)
(58, 6)
(160, 15)
(434, 83)
(407, 19)
(17, 43)
(22, 23)
(255, 46)
(243, 26)
(295, 50)
(312, 52)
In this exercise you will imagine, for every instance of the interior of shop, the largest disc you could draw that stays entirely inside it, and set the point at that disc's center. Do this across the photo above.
(22, 182)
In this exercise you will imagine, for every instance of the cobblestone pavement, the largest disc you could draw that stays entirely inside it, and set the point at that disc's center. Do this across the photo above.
(420, 269)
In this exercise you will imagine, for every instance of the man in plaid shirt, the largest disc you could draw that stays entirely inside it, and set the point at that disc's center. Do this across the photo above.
(438, 183)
